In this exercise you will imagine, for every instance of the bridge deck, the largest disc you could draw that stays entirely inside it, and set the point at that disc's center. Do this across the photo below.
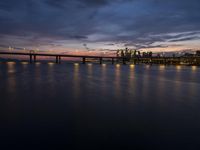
(59, 56)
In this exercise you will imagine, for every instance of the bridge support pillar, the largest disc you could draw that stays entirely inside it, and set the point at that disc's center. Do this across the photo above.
(59, 59)
(83, 61)
(31, 58)
(34, 58)
(56, 59)
(135, 60)
(150, 61)
(113, 61)
(124, 61)
(100, 60)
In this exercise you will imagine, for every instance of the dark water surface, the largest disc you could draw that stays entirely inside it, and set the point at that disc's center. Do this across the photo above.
(67, 106)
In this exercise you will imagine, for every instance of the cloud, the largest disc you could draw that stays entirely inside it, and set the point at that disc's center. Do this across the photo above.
(137, 23)
(185, 39)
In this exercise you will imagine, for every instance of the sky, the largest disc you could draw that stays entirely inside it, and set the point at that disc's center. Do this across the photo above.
(100, 25)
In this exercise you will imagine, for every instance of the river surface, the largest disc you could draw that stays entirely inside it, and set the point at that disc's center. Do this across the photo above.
(92, 106)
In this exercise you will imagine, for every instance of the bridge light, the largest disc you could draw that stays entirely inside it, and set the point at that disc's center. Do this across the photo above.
(37, 63)
(162, 67)
(104, 65)
(132, 66)
(51, 63)
(194, 68)
(178, 67)
(24, 63)
(76, 64)
(147, 66)
(11, 63)
(117, 65)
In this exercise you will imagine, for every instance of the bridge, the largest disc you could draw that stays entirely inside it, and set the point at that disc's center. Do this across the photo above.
(135, 60)
(58, 57)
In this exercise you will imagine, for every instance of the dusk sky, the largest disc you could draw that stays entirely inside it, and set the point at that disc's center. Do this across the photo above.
(100, 25)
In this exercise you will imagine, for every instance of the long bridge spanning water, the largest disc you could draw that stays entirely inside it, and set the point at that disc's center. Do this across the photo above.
(123, 60)
(58, 57)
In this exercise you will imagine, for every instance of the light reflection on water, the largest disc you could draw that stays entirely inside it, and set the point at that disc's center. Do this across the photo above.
(178, 67)
(37, 75)
(194, 68)
(24, 63)
(11, 67)
(11, 83)
(51, 64)
(37, 63)
(90, 69)
(104, 78)
(117, 82)
(146, 86)
(50, 77)
(177, 79)
(84, 101)
(193, 90)
(76, 81)
(131, 80)
(162, 67)
(132, 83)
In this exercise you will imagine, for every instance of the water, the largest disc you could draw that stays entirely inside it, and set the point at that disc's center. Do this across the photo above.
(73, 106)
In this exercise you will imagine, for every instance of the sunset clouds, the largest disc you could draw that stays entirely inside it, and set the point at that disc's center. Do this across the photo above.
(101, 24)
